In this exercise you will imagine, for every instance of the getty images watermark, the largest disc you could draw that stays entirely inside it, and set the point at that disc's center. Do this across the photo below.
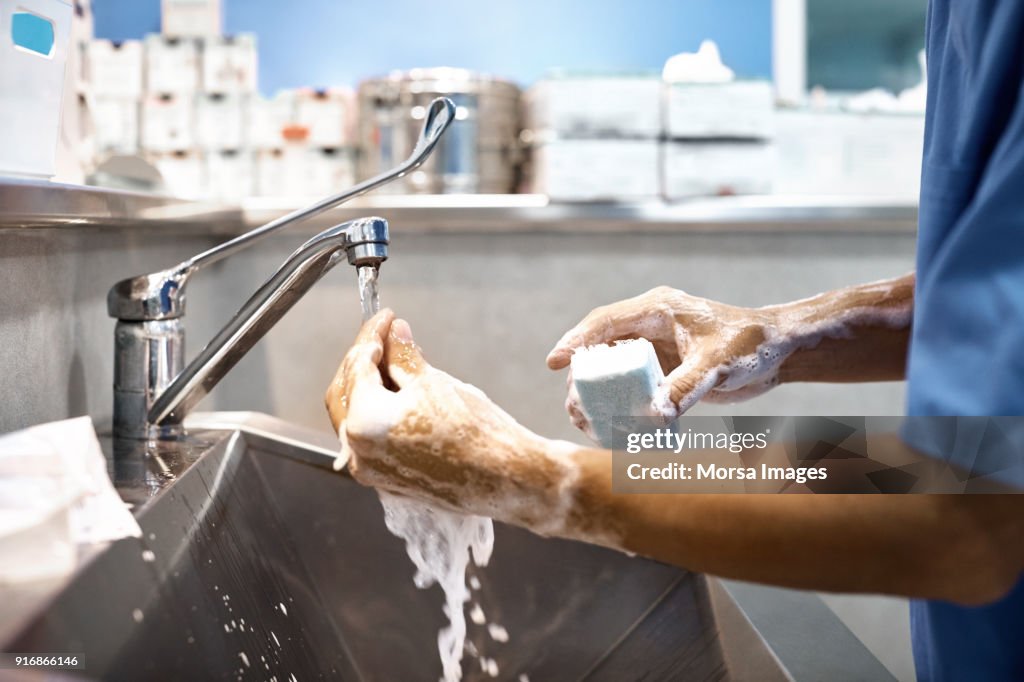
(819, 455)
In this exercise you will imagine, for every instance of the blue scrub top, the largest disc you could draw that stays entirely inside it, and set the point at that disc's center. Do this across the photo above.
(967, 349)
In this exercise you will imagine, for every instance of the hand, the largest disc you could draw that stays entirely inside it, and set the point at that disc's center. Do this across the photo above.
(708, 350)
(413, 429)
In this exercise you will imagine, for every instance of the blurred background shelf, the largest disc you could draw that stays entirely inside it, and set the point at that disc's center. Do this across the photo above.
(534, 212)
(41, 204)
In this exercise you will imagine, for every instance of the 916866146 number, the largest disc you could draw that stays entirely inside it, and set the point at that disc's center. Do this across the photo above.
(42, 661)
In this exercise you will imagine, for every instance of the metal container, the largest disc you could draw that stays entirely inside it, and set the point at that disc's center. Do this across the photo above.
(478, 155)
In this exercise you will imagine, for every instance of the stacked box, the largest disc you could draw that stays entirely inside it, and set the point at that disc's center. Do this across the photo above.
(183, 172)
(271, 176)
(168, 123)
(331, 170)
(327, 115)
(303, 142)
(284, 172)
(115, 124)
(181, 99)
(191, 18)
(267, 119)
(596, 107)
(843, 153)
(113, 75)
(229, 173)
(718, 139)
(172, 65)
(114, 69)
(187, 100)
(299, 171)
(220, 122)
(714, 167)
(595, 137)
(596, 170)
(738, 109)
(230, 64)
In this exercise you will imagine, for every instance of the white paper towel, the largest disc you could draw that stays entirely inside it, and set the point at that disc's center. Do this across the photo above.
(54, 496)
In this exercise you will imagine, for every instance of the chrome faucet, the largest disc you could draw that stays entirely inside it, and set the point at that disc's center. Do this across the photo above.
(152, 391)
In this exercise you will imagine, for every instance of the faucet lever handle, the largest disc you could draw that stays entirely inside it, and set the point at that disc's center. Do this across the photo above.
(439, 116)
(161, 295)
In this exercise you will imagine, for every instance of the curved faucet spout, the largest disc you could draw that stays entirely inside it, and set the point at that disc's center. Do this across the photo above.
(364, 241)
(161, 295)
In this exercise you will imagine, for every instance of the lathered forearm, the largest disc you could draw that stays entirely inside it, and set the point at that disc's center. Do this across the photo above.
(861, 333)
(962, 548)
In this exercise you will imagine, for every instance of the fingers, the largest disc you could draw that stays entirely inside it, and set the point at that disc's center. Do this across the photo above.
(368, 350)
(689, 383)
(643, 316)
(360, 364)
(572, 405)
(577, 416)
(402, 356)
(377, 326)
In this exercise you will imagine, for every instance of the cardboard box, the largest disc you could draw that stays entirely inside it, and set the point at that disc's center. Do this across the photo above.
(114, 69)
(172, 65)
(230, 64)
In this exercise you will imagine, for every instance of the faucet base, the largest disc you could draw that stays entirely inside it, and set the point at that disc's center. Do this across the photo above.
(147, 357)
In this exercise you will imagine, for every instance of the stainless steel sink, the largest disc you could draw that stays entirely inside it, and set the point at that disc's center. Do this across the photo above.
(258, 561)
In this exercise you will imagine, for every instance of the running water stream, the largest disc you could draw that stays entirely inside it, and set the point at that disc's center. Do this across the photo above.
(438, 542)
(369, 295)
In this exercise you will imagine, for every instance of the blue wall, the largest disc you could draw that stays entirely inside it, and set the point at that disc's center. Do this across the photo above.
(336, 42)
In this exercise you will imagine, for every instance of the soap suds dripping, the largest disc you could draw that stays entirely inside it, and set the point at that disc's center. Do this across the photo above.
(440, 543)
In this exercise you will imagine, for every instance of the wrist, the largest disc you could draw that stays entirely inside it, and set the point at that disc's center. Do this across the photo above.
(588, 510)
(800, 325)
(527, 481)
(854, 334)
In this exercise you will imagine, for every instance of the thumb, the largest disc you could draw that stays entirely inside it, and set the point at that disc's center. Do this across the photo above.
(402, 356)
(687, 384)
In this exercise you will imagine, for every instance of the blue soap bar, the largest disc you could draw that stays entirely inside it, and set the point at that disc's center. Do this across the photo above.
(616, 381)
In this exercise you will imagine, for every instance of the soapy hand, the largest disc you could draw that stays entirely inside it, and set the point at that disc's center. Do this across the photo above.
(412, 429)
(708, 350)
